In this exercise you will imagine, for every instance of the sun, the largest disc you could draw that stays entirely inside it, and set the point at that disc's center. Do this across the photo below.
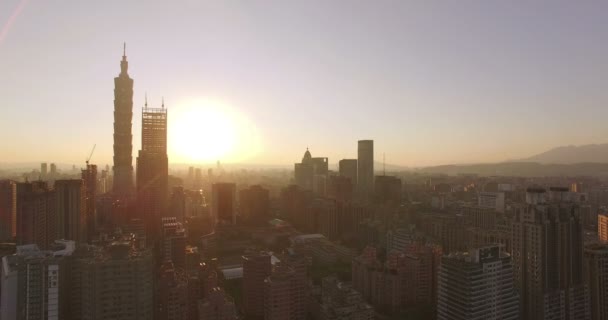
(205, 130)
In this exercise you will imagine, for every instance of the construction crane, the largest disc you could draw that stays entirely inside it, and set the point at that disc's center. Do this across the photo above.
(91, 154)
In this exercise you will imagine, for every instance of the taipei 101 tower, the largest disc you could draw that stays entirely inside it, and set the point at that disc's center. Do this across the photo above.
(123, 138)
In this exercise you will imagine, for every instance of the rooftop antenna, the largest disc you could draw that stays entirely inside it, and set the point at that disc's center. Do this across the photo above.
(146, 98)
(124, 49)
(163, 102)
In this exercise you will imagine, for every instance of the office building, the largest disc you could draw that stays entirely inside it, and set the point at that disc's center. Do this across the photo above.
(596, 278)
(254, 205)
(8, 210)
(477, 285)
(223, 203)
(547, 256)
(256, 268)
(311, 174)
(53, 173)
(113, 281)
(365, 169)
(123, 137)
(35, 283)
(153, 169)
(348, 169)
(43, 171)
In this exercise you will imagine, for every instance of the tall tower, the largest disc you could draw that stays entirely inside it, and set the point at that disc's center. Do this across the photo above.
(153, 169)
(365, 168)
(123, 137)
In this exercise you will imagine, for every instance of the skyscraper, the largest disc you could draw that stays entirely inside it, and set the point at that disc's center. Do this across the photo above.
(365, 168)
(548, 257)
(153, 169)
(123, 138)
(348, 168)
(223, 203)
(477, 285)
(596, 277)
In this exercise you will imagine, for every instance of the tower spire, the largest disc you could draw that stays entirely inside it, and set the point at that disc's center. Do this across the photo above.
(124, 65)
(163, 102)
(146, 99)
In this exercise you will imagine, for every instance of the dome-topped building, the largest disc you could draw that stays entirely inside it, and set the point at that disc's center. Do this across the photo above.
(307, 157)
(311, 173)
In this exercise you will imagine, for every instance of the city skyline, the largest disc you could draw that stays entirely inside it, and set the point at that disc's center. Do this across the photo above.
(229, 62)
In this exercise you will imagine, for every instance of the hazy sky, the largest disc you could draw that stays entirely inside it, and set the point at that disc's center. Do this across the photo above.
(432, 82)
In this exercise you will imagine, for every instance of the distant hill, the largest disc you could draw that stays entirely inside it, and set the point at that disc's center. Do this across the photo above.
(522, 169)
(590, 153)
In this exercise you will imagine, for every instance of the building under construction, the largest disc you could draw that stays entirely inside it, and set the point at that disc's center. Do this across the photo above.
(153, 169)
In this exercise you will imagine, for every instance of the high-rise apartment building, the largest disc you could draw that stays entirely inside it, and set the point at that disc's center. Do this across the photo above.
(547, 255)
(348, 169)
(89, 176)
(123, 137)
(35, 283)
(153, 170)
(596, 278)
(8, 210)
(477, 285)
(36, 220)
(71, 210)
(172, 293)
(256, 268)
(286, 289)
(173, 242)
(115, 281)
(223, 203)
(365, 169)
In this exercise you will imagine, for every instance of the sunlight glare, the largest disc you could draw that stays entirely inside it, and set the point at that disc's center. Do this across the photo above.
(205, 130)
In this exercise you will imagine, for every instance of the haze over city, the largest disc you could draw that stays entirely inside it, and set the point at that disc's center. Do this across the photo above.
(259, 81)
